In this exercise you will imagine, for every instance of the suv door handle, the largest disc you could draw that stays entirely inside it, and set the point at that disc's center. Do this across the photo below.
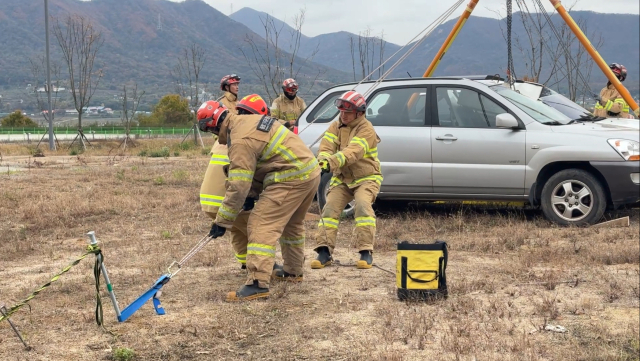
(446, 137)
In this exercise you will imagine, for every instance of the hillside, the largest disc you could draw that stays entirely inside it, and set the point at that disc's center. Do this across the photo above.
(134, 48)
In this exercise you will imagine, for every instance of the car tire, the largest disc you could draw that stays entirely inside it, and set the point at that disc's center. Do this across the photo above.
(323, 190)
(573, 197)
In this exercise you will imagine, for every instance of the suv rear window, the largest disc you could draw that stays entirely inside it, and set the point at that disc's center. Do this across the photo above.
(325, 111)
(398, 107)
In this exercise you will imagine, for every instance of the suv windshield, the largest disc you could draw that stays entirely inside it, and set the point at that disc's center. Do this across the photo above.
(567, 107)
(539, 111)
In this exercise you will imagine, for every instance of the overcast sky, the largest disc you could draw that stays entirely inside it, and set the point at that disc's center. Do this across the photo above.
(401, 20)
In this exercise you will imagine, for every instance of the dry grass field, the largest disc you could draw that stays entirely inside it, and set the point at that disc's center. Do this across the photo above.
(510, 274)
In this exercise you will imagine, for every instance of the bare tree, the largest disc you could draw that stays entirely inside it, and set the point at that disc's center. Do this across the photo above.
(353, 59)
(187, 73)
(578, 64)
(37, 67)
(270, 63)
(80, 43)
(130, 102)
(369, 48)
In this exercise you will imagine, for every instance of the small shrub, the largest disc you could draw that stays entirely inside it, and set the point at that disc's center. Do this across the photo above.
(186, 146)
(36, 152)
(120, 174)
(181, 175)
(159, 181)
(176, 153)
(166, 234)
(143, 153)
(76, 151)
(205, 151)
(162, 153)
(123, 354)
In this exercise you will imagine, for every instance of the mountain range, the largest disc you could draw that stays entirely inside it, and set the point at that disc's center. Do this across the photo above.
(480, 47)
(143, 40)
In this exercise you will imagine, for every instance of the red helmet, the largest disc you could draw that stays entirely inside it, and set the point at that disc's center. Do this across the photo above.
(351, 101)
(253, 104)
(228, 80)
(290, 85)
(210, 114)
(619, 70)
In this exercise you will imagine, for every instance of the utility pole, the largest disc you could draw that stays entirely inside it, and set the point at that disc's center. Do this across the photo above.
(52, 144)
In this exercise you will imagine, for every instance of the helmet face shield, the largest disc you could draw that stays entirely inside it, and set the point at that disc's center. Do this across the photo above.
(344, 106)
(292, 89)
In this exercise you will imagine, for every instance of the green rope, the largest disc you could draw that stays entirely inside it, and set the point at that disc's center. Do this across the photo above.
(91, 249)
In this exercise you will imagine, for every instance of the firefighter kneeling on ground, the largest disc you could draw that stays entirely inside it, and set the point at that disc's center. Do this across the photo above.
(212, 189)
(288, 106)
(349, 150)
(269, 161)
(611, 104)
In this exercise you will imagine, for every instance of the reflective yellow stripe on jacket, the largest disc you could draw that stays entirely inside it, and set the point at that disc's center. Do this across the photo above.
(219, 159)
(227, 213)
(211, 200)
(241, 175)
(374, 178)
(275, 147)
(299, 173)
(330, 137)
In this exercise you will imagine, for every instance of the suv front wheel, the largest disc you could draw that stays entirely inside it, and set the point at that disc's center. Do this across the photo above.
(573, 197)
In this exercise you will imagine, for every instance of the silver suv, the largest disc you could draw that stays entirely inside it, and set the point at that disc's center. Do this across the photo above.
(463, 139)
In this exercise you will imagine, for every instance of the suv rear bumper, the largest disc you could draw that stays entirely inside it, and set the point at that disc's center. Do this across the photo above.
(618, 176)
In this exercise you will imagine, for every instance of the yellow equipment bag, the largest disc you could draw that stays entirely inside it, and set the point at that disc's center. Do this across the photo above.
(420, 271)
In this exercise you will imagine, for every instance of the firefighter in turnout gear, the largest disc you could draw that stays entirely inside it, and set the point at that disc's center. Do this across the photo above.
(229, 84)
(268, 160)
(212, 189)
(212, 192)
(611, 104)
(349, 150)
(288, 106)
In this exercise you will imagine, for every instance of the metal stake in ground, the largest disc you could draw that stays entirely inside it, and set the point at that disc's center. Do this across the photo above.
(3, 311)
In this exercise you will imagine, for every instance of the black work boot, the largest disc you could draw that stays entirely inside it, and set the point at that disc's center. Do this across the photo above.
(280, 274)
(324, 258)
(366, 260)
(243, 266)
(248, 293)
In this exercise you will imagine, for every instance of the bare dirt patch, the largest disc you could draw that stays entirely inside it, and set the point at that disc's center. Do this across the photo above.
(510, 271)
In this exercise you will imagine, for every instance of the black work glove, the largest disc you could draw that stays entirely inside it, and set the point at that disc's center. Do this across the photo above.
(216, 231)
(249, 203)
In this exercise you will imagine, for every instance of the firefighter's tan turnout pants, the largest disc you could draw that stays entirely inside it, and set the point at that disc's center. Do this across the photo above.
(279, 216)
(212, 193)
(339, 196)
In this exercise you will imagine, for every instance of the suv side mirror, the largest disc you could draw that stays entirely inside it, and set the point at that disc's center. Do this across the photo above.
(369, 111)
(506, 120)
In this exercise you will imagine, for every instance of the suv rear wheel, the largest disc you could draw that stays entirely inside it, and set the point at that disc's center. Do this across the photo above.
(323, 190)
(573, 197)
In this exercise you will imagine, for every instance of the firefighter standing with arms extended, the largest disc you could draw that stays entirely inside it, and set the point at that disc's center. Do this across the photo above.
(611, 104)
(212, 189)
(288, 106)
(349, 150)
(266, 159)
